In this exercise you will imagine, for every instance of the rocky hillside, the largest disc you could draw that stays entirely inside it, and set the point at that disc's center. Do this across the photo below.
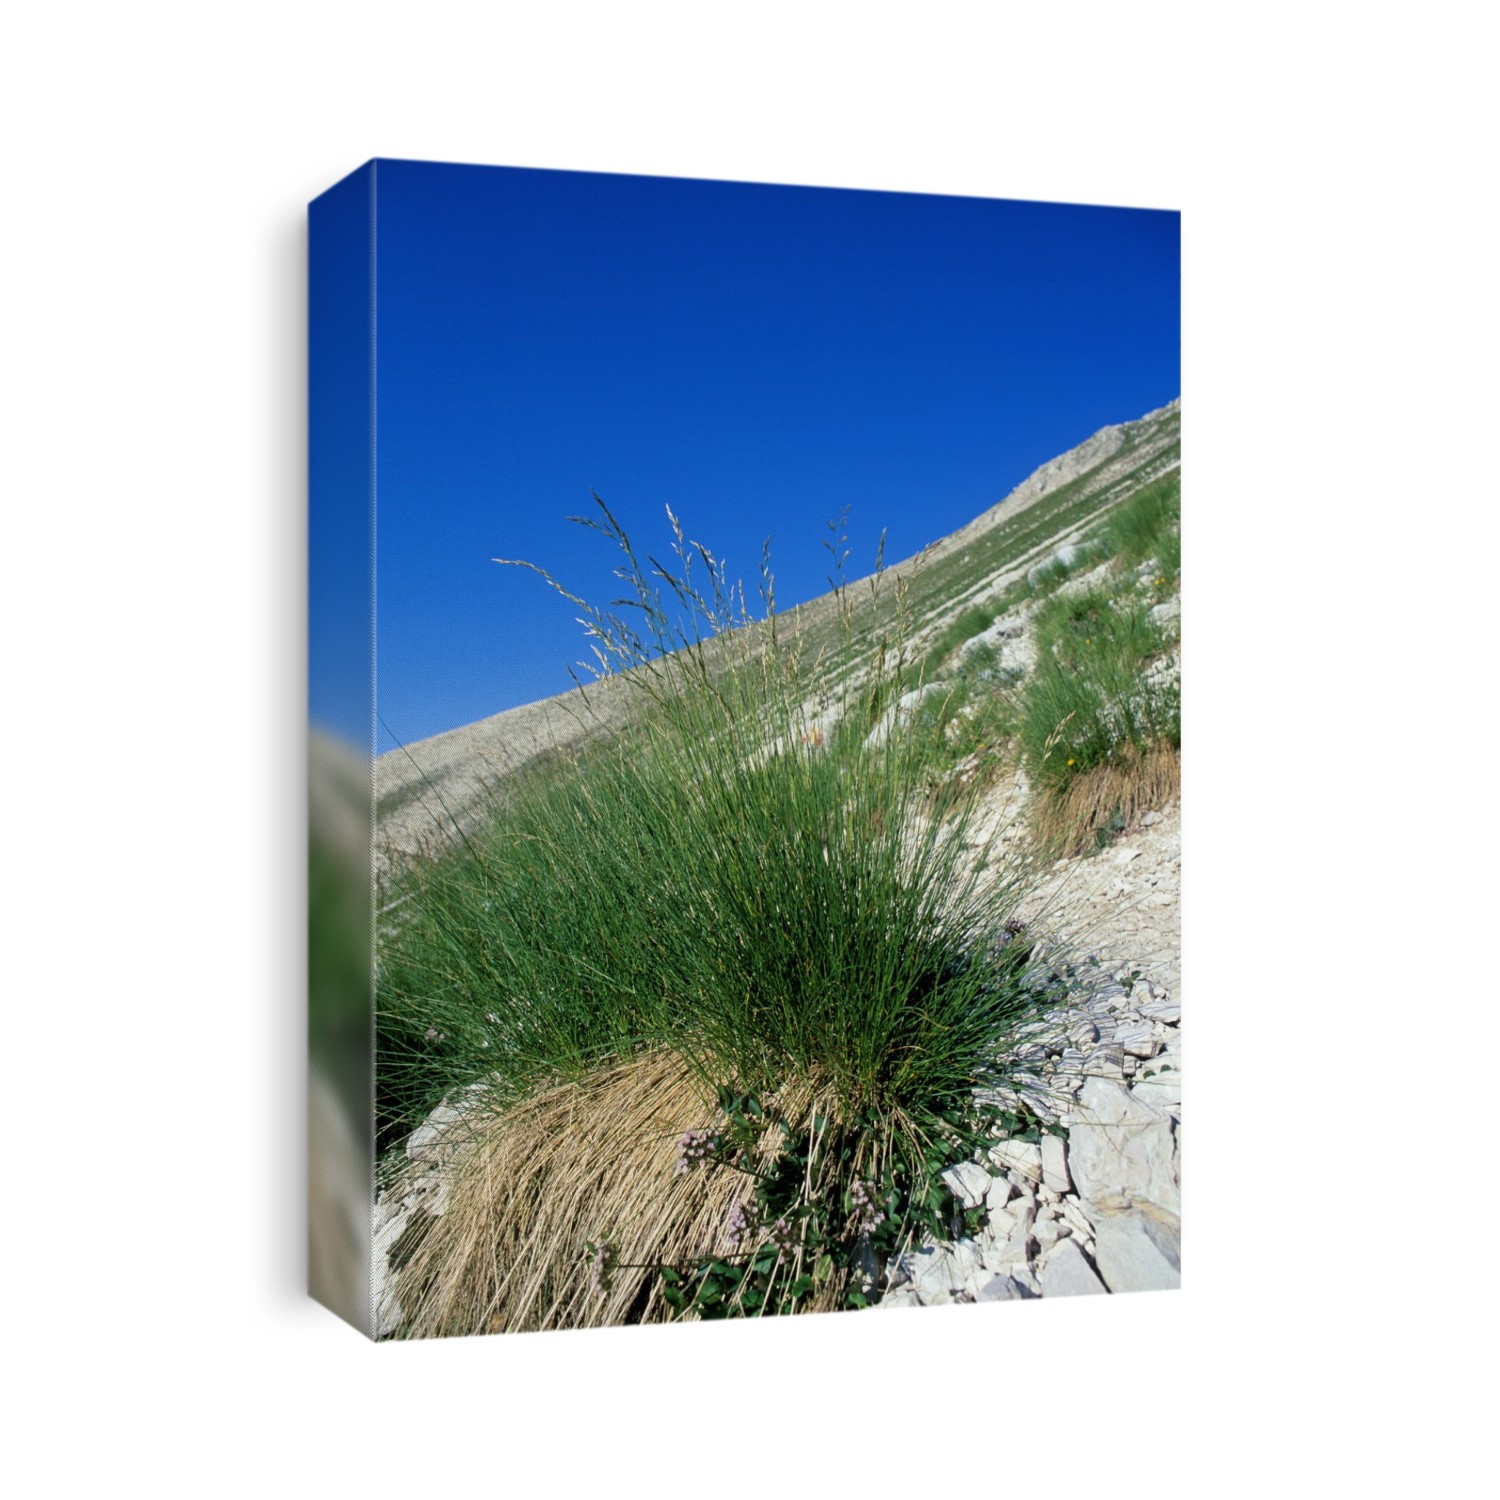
(418, 788)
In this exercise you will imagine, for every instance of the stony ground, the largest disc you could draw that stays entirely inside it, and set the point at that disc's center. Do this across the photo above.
(423, 788)
(1095, 1206)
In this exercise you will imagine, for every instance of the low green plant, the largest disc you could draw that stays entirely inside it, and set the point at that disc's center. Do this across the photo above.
(1146, 525)
(1169, 551)
(1045, 579)
(971, 621)
(825, 1209)
(1089, 699)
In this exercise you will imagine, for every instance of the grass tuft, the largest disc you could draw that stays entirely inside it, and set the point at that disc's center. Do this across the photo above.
(746, 881)
(533, 1182)
(1147, 525)
(1107, 799)
(1093, 714)
(971, 621)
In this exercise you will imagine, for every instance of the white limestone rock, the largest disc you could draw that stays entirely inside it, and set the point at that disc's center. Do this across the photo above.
(1136, 1253)
(1162, 1091)
(1000, 1226)
(1021, 1158)
(969, 1183)
(444, 1130)
(1067, 1273)
(1004, 1289)
(1071, 1212)
(1139, 1039)
(1015, 1249)
(1027, 1277)
(1169, 1012)
(940, 1272)
(1002, 1190)
(1121, 1150)
(1107, 1060)
(1055, 1164)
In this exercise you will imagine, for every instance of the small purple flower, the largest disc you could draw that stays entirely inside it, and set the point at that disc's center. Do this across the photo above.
(695, 1148)
(783, 1233)
(743, 1223)
(868, 1215)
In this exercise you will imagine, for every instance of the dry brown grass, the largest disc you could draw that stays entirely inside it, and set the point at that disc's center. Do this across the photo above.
(529, 1188)
(1066, 823)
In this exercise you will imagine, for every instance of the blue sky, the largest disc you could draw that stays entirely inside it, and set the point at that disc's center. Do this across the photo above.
(756, 357)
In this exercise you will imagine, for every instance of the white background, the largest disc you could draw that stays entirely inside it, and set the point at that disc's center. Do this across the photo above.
(1332, 1333)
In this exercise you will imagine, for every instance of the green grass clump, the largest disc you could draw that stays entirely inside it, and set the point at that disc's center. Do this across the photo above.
(1088, 701)
(783, 908)
(1147, 525)
(970, 622)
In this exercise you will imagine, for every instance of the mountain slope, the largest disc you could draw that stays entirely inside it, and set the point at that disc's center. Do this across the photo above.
(421, 789)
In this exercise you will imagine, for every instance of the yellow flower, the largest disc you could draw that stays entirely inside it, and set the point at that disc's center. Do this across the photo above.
(1071, 761)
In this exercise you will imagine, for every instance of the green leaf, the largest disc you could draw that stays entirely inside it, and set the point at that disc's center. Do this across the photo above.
(857, 1299)
(800, 1287)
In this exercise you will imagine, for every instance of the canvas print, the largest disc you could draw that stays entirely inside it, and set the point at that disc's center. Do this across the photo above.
(746, 739)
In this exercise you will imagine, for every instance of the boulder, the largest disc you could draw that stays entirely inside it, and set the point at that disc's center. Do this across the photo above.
(1137, 1253)
(1121, 1150)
